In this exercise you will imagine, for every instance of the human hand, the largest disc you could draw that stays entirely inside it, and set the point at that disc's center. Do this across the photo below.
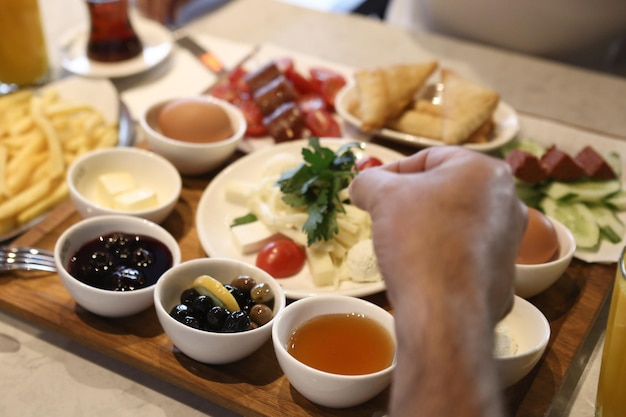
(446, 223)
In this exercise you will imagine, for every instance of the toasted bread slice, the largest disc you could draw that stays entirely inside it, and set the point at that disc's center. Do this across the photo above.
(385, 92)
(418, 123)
(465, 106)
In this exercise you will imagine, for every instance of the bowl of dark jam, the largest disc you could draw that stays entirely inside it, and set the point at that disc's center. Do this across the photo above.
(110, 264)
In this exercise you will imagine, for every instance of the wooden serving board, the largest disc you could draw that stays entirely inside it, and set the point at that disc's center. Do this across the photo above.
(256, 386)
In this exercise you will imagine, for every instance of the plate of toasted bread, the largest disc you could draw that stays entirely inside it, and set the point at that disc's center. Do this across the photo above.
(403, 103)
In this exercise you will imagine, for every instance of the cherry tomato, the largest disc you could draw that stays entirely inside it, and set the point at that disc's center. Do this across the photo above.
(254, 118)
(311, 102)
(281, 258)
(322, 123)
(327, 83)
(368, 162)
(236, 78)
(226, 92)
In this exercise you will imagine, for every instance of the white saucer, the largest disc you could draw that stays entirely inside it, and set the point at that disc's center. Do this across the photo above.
(157, 45)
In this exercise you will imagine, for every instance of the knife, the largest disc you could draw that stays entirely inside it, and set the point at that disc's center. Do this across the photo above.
(207, 58)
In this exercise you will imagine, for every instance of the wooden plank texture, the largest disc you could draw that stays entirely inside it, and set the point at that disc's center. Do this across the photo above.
(255, 386)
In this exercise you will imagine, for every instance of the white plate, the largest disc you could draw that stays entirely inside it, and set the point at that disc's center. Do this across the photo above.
(572, 140)
(505, 117)
(100, 94)
(302, 63)
(215, 214)
(157, 45)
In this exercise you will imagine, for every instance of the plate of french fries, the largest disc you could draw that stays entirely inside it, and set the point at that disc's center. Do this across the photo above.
(41, 133)
(405, 103)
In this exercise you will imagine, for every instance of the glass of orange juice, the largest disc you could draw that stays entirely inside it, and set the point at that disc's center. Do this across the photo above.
(611, 398)
(23, 53)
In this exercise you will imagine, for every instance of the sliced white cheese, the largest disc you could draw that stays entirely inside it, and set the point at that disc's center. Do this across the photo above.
(321, 267)
(251, 237)
(137, 199)
(237, 192)
(112, 184)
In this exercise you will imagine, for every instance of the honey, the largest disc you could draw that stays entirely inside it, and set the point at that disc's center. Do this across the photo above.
(347, 344)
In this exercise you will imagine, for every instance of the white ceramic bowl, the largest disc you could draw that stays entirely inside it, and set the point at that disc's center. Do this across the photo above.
(108, 303)
(204, 346)
(323, 388)
(193, 158)
(531, 280)
(530, 330)
(148, 170)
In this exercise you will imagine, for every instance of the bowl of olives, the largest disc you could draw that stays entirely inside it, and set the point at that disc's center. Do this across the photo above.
(110, 264)
(218, 310)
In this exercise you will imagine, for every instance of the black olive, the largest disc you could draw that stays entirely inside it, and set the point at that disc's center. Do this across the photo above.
(237, 321)
(201, 306)
(242, 298)
(191, 322)
(215, 318)
(188, 296)
(180, 311)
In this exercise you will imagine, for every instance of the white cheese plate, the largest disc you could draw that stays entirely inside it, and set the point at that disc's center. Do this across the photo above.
(215, 214)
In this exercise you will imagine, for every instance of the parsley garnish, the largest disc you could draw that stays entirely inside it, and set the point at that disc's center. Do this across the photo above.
(315, 185)
(248, 218)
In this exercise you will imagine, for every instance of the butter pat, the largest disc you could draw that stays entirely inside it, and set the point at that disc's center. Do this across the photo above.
(112, 184)
(137, 199)
(119, 191)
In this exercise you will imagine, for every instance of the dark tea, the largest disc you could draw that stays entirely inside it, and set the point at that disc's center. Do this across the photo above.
(111, 36)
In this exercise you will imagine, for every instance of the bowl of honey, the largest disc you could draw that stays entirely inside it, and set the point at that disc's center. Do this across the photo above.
(335, 350)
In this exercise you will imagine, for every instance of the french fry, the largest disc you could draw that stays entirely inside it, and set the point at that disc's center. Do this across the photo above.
(40, 136)
(58, 194)
(55, 150)
(28, 197)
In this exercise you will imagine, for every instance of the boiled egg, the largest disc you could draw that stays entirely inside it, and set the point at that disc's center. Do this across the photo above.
(540, 243)
(194, 120)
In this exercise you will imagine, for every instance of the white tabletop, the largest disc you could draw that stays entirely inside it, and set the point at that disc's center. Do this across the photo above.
(45, 374)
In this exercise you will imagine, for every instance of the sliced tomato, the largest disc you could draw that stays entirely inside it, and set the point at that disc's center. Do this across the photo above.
(368, 162)
(327, 83)
(322, 123)
(281, 258)
(254, 118)
(236, 78)
(226, 92)
(311, 102)
(284, 64)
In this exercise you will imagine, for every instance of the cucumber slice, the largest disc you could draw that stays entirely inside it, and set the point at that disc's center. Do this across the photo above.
(577, 218)
(610, 225)
(616, 201)
(615, 162)
(524, 145)
(582, 191)
(530, 194)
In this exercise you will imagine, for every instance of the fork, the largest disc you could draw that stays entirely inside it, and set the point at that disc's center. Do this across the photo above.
(26, 258)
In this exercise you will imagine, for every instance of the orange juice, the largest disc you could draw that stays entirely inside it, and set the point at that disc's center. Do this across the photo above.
(611, 399)
(23, 54)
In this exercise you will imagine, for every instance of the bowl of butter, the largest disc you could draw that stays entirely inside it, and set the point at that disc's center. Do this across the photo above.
(124, 180)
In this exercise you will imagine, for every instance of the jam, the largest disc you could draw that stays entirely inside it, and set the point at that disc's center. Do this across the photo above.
(120, 262)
